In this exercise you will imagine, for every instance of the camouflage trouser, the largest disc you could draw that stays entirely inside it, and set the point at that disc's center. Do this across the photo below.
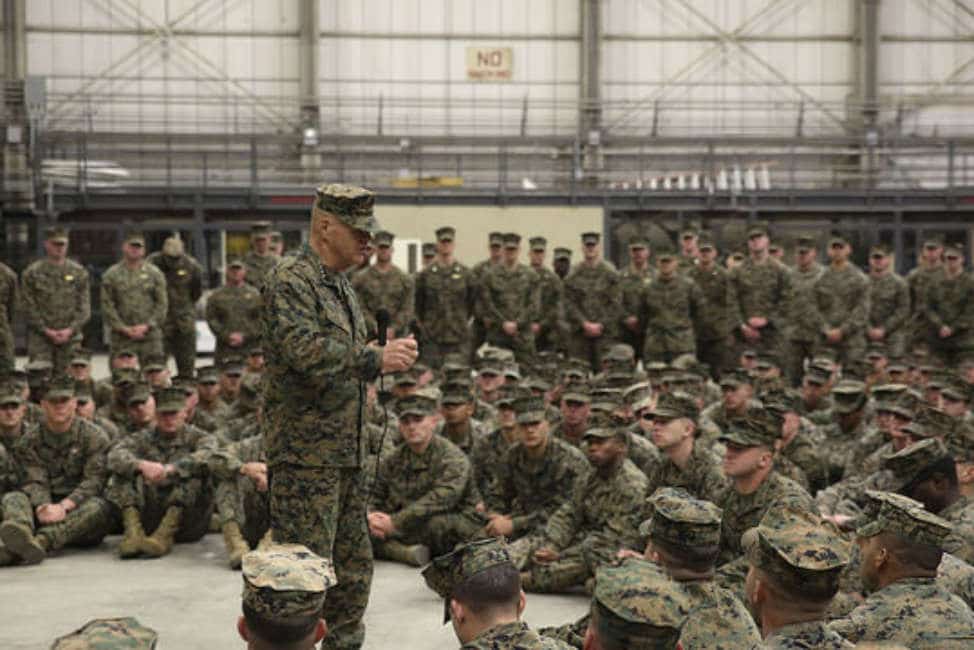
(718, 354)
(634, 339)
(478, 336)
(574, 566)
(150, 346)
(589, 350)
(40, 348)
(550, 338)
(432, 353)
(440, 532)
(521, 345)
(794, 360)
(951, 351)
(87, 525)
(850, 349)
(325, 509)
(179, 339)
(7, 357)
(193, 495)
(667, 346)
(238, 500)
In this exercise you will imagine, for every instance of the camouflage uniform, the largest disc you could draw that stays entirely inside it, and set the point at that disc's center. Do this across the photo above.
(237, 496)
(669, 309)
(234, 309)
(444, 304)
(921, 280)
(393, 291)
(55, 296)
(8, 307)
(467, 441)
(317, 366)
(447, 572)
(960, 514)
(259, 267)
(804, 558)
(529, 489)
(132, 296)
(191, 488)
(842, 302)
(430, 496)
(550, 315)
(702, 476)
(592, 293)
(632, 283)
(109, 633)
(761, 290)
(913, 611)
(715, 323)
(802, 330)
(601, 517)
(889, 308)
(950, 302)
(57, 466)
(511, 294)
(184, 286)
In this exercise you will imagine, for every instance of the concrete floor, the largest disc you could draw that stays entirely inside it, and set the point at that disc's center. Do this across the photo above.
(192, 600)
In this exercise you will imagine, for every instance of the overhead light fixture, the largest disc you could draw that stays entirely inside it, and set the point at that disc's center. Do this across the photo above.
(310, 137)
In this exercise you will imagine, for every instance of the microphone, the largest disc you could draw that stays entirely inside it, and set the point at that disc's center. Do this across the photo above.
(382, 325)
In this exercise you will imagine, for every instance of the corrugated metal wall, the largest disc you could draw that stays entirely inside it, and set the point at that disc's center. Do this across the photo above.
(676, 66)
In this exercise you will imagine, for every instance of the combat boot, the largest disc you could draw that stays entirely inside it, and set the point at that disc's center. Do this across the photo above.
(6, 557)
(134, 538)
(161, 541)
(413, 555)
(235, 543)
(266, 541)
(20, 541)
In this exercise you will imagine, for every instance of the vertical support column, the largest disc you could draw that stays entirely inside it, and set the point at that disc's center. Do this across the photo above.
(869, 87)
(17, 180)
(308, 89)
(590, 83)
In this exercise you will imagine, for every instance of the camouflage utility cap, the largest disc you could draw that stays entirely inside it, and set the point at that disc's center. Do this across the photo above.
(562, 254)
(109, 634)
(591, 237)
(538, 243)
(457, 391)
(446, 572)
(894, 513)
(171, 400)
(353, 205)
(678, 404)
(752, 430)
(429, 249)
(681, 520)
(10, 394)
(529, 409)
(798, 551)
(638, 606)
(60, 388)
(422, 403)
(909, 464)
(383, 238)
(208, 375)
(286, 581)
(57, 234)
(140, 392)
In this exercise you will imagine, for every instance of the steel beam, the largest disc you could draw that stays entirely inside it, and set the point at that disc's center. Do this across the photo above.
(590, 77)
(308, 64)
(14, 40)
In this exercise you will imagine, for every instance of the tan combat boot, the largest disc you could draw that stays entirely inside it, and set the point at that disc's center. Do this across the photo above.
(414, 555)
(6, 557)
(134, 538)
(235, 543)
(160, 542)
(20, 541)
(266, 541)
